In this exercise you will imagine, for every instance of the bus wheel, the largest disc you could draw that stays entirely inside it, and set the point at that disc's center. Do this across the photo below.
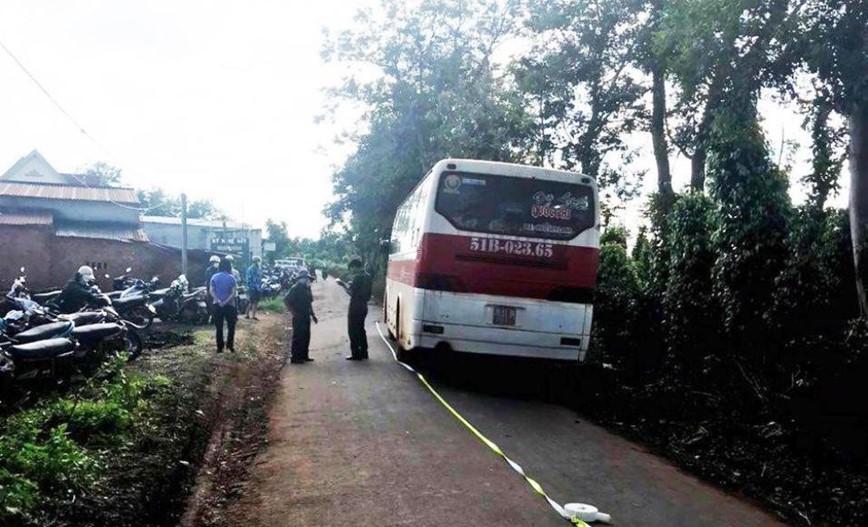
(400, 352)
(388, 327)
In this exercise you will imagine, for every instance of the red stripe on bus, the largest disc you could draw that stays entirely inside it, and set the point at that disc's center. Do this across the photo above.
(446, 262)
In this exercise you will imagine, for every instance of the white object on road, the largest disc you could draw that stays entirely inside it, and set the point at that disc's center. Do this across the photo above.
(586, 513)
(564, 512)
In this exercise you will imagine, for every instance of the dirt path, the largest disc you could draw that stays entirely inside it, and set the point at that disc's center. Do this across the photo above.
(365, 444)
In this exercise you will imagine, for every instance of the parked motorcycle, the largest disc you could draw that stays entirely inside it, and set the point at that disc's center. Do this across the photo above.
(180, 304)
(119, 283)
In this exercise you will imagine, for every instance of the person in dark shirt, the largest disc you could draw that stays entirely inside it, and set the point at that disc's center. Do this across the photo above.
(223, 289)
(299, 301)
(210, 271)
(78, 293)
(360, 293)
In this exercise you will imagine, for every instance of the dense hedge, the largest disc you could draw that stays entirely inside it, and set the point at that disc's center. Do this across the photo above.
(757, 310)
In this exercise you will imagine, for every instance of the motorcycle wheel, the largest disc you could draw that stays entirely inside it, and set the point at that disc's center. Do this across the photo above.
(133, 344)
(141, 317)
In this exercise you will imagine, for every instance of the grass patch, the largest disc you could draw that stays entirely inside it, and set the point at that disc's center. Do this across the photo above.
(58, 449)
(272, 305)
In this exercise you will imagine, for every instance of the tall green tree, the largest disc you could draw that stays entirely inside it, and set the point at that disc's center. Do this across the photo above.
(101, 174)
(831, 39)
(276, 233)
(431, 89)
(159, 202)
(578, 82)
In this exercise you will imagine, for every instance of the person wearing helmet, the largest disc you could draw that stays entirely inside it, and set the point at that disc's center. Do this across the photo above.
(254, 287)
(210, 271)
(359, 290)
(78, 293)
(235, 272)
(299, 302)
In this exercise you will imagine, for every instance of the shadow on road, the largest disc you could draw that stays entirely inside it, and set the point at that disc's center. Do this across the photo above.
(509, 377)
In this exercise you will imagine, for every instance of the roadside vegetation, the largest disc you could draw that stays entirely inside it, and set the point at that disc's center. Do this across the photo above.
(273, 305)
(730, 326)
(124, 446)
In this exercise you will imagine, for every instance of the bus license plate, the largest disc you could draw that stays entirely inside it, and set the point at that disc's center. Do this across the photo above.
(504, 316)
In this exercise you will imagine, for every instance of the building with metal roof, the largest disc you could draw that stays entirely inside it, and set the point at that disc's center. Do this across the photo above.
(218, 236)
(32, 186)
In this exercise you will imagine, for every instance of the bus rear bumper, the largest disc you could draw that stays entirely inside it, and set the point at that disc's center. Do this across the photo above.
(499, 341)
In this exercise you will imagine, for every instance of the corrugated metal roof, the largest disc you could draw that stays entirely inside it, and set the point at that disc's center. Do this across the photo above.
(26, 219)
(69, 192)
(104, 232)
(216, 224)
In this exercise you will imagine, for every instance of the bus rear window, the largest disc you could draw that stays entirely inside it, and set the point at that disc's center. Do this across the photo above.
(513, 206)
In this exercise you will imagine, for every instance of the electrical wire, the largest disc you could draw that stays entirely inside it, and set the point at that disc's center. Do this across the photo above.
(80, 129)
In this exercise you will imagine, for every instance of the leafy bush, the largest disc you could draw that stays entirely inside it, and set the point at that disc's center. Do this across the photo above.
(55, 448)
(690, 318)
(615, 302)
(754, 210)
(273, 305)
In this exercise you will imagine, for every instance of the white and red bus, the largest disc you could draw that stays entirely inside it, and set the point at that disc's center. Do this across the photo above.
(495, 258)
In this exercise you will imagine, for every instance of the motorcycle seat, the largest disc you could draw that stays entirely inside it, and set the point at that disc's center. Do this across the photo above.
(96, 332)
(42, 349)
(42, 298)
(45, 331)
(122, 304)
(84, 318)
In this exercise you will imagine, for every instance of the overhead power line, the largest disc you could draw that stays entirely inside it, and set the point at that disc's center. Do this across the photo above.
(80, 129)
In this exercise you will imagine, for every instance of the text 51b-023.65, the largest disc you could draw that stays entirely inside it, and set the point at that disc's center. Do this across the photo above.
(513, 247)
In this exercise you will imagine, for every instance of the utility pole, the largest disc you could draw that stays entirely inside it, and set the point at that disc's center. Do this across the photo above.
(184, 234)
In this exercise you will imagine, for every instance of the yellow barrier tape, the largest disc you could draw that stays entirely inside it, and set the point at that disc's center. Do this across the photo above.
(489, 443)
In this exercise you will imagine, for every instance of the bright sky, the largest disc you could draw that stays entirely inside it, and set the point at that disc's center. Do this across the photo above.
(213, 98)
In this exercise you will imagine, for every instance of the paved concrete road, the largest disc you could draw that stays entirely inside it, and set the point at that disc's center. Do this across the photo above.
(365, 444)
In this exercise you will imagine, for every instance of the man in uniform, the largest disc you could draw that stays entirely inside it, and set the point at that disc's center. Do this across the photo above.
(360, 293)
(299, 301)
(254, 286)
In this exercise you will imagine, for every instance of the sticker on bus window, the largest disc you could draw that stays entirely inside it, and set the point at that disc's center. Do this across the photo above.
(473, 181)
(545, 207)
(546, 228)
(452, 184)
(578, 204)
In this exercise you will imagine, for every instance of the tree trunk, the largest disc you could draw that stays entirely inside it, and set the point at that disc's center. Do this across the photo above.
(859, 198)
(697, 166)
(658, 134)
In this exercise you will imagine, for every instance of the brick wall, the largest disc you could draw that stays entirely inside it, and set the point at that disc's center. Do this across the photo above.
(28, 246)
(52, 261)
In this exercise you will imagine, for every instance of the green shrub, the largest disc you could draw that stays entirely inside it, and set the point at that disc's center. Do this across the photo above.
(754, 210)
(691, 322)
(54, 448)
(273, 305)
(615, 302)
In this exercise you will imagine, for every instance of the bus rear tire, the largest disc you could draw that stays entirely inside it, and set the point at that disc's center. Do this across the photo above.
(402, 354)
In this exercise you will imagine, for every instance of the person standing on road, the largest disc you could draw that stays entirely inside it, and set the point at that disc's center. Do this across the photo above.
(223, 290)
(360, 293)
(254, 286)
(299, 301)
(235, 272)
(210, 271)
